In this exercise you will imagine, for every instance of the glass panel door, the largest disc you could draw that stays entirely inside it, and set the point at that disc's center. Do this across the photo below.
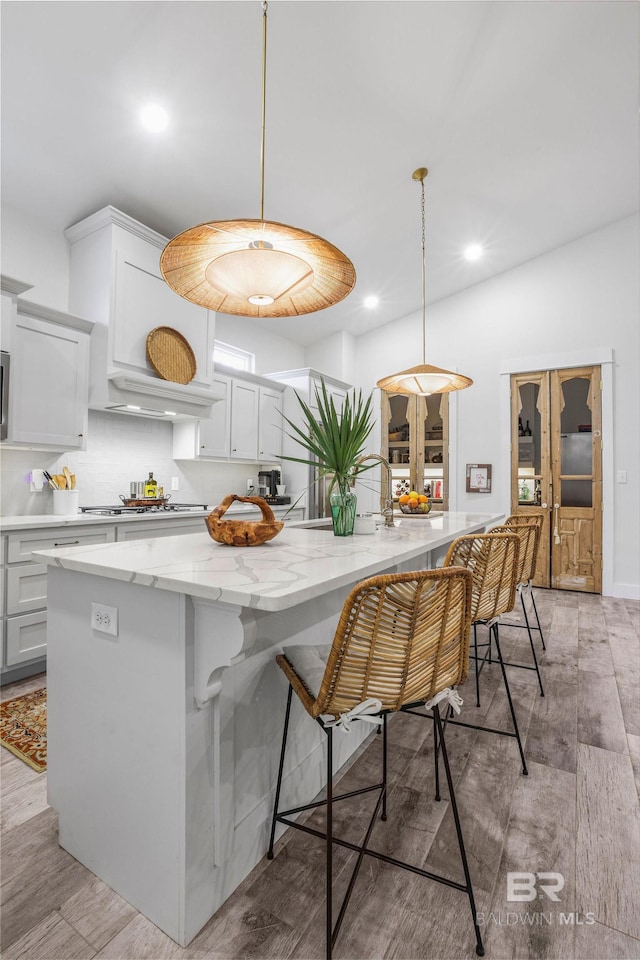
(530, 461)
(576, 559)
(433, 430)
(401, 427)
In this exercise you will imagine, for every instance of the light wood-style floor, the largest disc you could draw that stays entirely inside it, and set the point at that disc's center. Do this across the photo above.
(577, 813)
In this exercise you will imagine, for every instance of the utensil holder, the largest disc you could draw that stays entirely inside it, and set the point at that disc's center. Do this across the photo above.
(65, 502)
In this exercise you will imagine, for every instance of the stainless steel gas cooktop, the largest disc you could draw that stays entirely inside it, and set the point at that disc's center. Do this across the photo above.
(114, 510)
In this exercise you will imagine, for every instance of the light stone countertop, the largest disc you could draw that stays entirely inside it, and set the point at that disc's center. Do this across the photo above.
(296, 566)
(35, 521)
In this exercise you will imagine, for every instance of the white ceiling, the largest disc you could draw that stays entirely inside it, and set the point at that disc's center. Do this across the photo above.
(525, 113)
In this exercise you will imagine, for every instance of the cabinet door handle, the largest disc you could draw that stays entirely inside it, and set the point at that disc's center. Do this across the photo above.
(66, 543)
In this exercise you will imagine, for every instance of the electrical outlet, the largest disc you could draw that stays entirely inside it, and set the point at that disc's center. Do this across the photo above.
(104, 619)
(175, 483)
(249, 484)
(36, 482)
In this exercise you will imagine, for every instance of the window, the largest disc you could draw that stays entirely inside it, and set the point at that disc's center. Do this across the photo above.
(229, 356)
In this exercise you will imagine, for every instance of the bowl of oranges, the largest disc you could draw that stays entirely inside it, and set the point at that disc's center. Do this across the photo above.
(414, 504)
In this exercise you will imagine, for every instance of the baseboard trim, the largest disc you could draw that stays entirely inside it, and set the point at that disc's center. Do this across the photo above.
(624, 591)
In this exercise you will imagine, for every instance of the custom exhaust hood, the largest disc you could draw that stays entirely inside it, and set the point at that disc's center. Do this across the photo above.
(115, 281)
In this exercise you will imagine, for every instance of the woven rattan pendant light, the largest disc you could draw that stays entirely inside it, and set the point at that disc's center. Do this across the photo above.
(424, 379)
(257, 268)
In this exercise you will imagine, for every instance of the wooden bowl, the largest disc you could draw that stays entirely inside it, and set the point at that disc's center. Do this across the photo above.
(242, 533)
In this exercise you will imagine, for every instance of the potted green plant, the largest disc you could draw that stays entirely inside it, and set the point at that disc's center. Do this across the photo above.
(335, 441)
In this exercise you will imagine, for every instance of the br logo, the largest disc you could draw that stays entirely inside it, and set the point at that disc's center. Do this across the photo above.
(525, 886)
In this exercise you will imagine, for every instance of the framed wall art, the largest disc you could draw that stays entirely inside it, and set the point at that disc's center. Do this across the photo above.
(478, 478)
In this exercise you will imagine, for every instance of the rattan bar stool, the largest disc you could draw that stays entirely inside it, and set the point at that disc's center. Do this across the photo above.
(402, 641)
(528, 572)
(493, 559)
(528, 532)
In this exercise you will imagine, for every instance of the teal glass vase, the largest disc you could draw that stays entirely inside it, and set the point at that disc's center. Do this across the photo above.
(343, 513)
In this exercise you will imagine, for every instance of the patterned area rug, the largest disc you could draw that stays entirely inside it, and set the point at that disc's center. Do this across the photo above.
(23, 728)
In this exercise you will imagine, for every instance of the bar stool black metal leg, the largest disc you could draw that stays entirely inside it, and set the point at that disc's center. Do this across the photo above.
(533, 649)
(280, 769)
(511, 708)
(535, 610)
(384, 767)
(329, 847)
(454, 808)
(475, 650)
(436, 749)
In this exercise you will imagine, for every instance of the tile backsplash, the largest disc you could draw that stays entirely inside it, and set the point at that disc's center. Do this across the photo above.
(120, 448)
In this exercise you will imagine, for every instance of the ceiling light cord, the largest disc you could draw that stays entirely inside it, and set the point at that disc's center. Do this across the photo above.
(424, 281)
(264, 103)
(424, 379)
(257, 268)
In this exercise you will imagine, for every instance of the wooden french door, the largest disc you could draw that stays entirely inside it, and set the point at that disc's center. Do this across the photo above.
(556, 423)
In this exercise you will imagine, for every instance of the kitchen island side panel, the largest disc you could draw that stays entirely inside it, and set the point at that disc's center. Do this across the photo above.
(170, 803)
(116, 738)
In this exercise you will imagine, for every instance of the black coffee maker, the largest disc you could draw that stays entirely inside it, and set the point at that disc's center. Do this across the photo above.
(267, 482)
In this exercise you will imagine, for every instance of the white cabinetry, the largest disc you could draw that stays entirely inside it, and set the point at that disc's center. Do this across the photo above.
(245, 425)
(115, 280)
(307, 382)
(24, 615)
(160, 528)
(49, 383)
(11, 290)
(214, 433)
(244, 420)
(269, 424)
(23, 581)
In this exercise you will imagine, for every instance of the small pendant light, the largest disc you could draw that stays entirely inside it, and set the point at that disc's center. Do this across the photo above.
(257, 268)
(424, 379)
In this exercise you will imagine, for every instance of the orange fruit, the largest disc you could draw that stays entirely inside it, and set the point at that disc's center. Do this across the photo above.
(422, 498)
(404, 498)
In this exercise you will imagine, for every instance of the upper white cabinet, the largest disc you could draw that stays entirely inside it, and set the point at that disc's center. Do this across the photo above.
(11, 290)
(213, 435)
(48, 384)
(115, 280)
(307, 382)
(269, 424)
(244, 420)
(246, 425)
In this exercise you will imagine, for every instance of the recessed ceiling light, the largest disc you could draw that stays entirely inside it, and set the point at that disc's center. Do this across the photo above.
(371, 302)
(473, 252)
(154, 118)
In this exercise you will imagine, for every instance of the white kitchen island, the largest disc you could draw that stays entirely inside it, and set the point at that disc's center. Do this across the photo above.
(164, 740)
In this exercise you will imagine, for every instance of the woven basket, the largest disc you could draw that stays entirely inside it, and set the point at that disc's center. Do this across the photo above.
(242, 533)
(171, 355)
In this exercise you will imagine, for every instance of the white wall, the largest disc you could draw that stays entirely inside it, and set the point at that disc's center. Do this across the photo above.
(272, 352)
(584, 295)
(334, 355)
(120, 448)
(36, 255)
